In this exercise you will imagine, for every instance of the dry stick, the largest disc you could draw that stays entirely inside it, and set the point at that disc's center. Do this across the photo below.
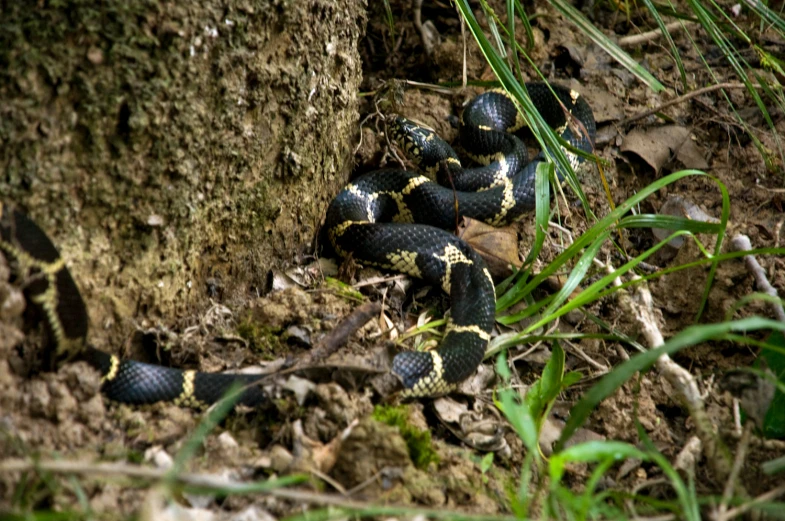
(688, 456)
(738, 461)
(464, 76)
(629, 41)
(418, 25)
(640, 306)
(336, 338)
(218, 483)
(769, 445)
(328, 345)
(682, 99)
(742, 243)
(763, 498)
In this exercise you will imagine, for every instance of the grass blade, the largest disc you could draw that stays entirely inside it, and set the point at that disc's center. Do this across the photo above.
(616, 52)
(689, 337)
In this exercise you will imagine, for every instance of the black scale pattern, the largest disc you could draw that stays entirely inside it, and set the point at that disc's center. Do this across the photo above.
(135, 382)
(20, 235)
(435, 150)
(138, 383)
(359, 216)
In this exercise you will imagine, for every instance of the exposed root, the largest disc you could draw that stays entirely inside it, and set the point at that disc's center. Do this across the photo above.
(631, 41)
(742, 243)
(640, 306)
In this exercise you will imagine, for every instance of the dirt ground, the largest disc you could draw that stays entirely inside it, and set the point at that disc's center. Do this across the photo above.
(62, 413)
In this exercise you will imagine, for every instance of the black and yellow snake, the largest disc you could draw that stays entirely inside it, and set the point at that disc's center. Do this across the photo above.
(391, 219)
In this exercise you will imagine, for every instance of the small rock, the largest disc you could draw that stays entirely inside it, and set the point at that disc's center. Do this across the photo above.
(263, 462)
(300, 387)
(280, 458)
(298, 335)
(39, 398)
(228, 445)
(158, 457)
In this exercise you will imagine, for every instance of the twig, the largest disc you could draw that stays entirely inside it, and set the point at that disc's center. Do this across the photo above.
(640, 307)
(769, 445)
(738, 461)
(602, 368)
(742, 243)
(533, 347)
(763, 498)
(417, 8)
(385, 470)
(360, 126)
(336, 338)
(330, 481)
(378, 280)
(210, 481)
(737, 429)
(439, 89)
(636, 491)
(629, 41)
(427, 39)
(464, 75)
(328, 345)
(682, 99)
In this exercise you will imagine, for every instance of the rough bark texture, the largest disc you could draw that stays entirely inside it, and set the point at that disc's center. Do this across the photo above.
(163, 145)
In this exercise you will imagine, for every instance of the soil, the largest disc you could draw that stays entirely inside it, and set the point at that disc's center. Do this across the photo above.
(322, 420)
(176, 152)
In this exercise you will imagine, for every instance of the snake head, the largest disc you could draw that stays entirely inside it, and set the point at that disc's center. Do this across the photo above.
(412, 138)
(421, 145)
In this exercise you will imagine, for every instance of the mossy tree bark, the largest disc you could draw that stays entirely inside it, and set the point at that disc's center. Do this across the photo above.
(164, 145)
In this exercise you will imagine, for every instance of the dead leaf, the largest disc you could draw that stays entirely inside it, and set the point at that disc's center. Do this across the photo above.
(479, 382)
(690, 156)
(312, 454)
(497, 246)
(552, 429)
(300, 387)
(657, 146)
(476, 429)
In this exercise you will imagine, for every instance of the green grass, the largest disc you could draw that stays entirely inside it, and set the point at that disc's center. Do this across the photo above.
(503, 52)
(526, 414)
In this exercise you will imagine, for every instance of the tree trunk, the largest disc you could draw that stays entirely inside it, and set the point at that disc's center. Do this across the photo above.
(171, 149)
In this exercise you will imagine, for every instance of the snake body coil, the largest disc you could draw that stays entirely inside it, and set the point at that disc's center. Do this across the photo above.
(392, 219)
(368, 219)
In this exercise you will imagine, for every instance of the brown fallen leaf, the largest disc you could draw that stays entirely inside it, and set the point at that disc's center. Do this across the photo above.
(691, 155)
(497, 246)
(658, 146)
(313, 455)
